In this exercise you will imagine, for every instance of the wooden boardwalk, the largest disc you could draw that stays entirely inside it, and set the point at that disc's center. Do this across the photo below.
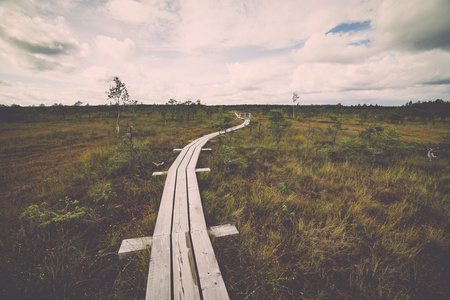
(182, 262)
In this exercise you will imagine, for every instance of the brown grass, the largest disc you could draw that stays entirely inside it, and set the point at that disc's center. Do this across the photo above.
(339, 227)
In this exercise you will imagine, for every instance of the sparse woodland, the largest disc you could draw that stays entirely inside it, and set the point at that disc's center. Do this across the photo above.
(343, 204)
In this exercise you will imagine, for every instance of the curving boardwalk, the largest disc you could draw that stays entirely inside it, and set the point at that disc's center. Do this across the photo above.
(182, 262)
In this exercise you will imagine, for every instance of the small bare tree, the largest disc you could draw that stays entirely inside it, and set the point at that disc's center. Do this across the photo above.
(294, 99)
(133, 147)
(118, 95)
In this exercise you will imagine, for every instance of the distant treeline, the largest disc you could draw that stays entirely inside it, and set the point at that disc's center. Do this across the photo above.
(418, 111)
(193, 112)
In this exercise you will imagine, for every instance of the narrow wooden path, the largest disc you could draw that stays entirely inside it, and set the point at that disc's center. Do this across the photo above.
(182, 262)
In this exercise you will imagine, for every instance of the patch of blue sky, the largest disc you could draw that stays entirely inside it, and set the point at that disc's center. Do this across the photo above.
(350, 27)
(361, 43)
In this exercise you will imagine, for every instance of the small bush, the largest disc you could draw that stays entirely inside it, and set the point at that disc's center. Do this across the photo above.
(282, 187)
(122, 162)
(231, 158)
(45, 215)
(371, 131)
(349, 147)
(104, 195)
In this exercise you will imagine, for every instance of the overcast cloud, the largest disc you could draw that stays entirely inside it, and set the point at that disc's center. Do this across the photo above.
(225, 51)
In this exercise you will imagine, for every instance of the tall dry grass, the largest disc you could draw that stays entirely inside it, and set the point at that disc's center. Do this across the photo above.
(348, 220)
(81, 158)
(342, 225)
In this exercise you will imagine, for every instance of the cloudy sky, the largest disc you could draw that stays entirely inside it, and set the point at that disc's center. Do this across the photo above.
(225, 51)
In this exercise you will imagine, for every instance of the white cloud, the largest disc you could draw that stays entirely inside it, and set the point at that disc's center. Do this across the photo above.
(406, 47)
(338, 48)
(97, 74)
(224, 51)
(154, 13)
(113, 47)
(389, 70)
(128, 11)
(254, 75)
(267, 23)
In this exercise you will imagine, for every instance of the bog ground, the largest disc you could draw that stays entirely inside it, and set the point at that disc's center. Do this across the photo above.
(348, 207)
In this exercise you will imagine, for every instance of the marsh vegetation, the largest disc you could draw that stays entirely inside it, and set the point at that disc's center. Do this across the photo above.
(343, 204)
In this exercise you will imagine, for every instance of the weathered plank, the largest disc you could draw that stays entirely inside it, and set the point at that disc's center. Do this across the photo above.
(185, 284)
(183, 264)
(197, 218)
(180, 212)
(130, 245)
(159, 173)
(164, 220)
(211, 280)
(159, 282)
(223, 230)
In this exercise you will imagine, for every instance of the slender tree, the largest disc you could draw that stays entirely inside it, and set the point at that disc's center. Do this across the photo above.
(118, 96)
(133, 147)
(78, 109)
(163, 112)
(172, 102)
(294, 98)
(336, 127)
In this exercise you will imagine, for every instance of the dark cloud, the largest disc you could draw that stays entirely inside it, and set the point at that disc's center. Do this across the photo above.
(39, 64)
(4, 83)
(54, 48)
(250, 88)
(415, 25)
(433, 39)
(438, 82)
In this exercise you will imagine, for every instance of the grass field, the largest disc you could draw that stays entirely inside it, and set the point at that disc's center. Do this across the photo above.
(357, 218)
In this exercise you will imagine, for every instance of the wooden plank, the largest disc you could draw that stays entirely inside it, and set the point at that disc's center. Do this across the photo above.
(198, 170)
(211, 280)
(185, 284)
(164, 219)
(182, 258)
(223, 230)
(159, 283)
(159, 173)
(163, 224)
(128, 246)
(180, 209)
(197, 217)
